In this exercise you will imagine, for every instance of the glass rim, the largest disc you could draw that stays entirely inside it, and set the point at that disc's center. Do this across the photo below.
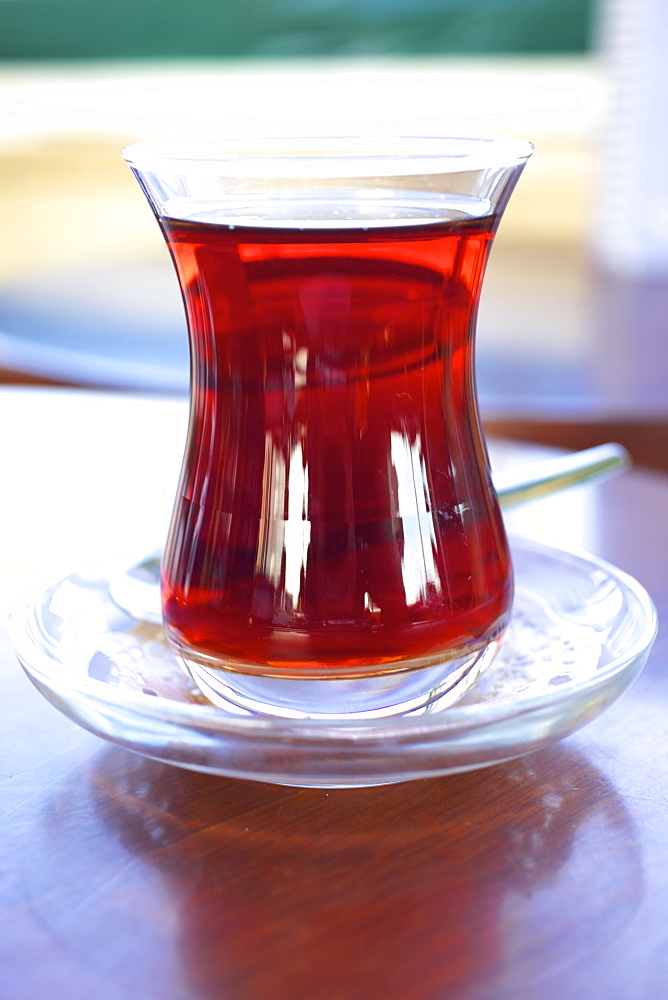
(401, 152)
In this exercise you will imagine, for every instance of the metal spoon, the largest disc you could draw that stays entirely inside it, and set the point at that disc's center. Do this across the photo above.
(137, 590)
(555, 474)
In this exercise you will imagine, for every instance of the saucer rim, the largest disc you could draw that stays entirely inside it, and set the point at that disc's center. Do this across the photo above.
(440, 731)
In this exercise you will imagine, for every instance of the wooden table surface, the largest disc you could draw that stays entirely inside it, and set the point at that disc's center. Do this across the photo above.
(122, 878)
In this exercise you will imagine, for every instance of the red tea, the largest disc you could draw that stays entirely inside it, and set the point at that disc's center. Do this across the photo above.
(335, 510)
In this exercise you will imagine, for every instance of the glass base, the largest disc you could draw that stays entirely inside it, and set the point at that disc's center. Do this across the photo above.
(416, 689)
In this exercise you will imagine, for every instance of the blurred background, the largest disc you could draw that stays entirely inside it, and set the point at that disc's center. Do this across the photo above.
(572, 328)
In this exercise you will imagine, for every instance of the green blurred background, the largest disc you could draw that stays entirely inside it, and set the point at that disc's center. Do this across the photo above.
(141, 29)
(87, 293)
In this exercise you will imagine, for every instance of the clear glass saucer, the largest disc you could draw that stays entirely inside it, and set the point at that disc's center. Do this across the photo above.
(580, 634)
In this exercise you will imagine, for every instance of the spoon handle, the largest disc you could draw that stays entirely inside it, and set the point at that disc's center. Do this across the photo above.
(560, 473)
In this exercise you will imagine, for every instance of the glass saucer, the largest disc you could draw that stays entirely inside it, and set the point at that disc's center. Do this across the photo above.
(580, 634)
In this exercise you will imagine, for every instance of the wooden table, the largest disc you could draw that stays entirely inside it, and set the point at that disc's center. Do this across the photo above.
(122, 878)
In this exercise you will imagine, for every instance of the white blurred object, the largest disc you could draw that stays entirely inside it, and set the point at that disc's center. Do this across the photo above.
(631, 233)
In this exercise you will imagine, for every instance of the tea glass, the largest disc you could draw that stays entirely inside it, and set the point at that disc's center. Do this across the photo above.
(336, 548)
